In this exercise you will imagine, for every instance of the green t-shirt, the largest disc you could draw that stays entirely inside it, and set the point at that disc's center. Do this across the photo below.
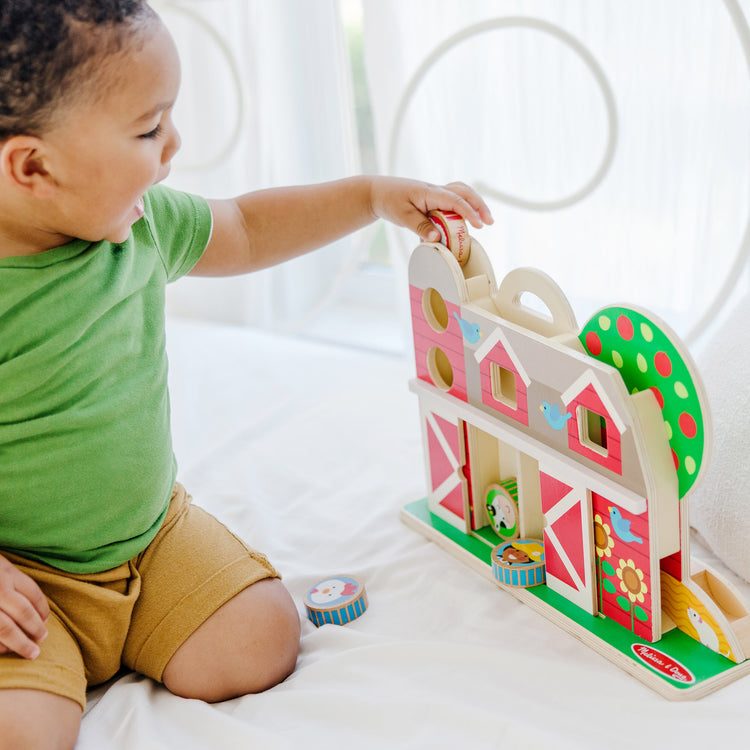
(86, 461)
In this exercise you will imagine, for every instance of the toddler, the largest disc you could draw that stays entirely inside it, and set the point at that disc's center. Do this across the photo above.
(104, 560)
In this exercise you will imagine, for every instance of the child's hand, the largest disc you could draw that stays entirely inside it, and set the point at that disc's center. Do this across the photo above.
(23, 612)
(406, 203)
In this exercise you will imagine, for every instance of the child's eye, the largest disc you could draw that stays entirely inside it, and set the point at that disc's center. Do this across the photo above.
(155, 133)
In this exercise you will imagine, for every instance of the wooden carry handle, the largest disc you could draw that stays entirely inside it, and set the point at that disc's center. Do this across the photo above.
(561, 319)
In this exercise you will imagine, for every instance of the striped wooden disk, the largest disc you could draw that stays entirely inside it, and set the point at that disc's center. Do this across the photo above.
(453, 233)
(519, 563)
(336, 601)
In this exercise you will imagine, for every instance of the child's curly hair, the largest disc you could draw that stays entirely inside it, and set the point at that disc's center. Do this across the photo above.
(45, 46)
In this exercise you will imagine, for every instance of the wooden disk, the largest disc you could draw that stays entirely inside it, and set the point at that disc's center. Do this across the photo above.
(336, 600)
(519, 563)
(453, 233)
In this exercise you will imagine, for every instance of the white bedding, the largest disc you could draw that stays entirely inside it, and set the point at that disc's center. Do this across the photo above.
(309, 452)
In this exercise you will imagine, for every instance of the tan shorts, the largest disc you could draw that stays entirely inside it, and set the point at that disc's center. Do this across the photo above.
(138, 614)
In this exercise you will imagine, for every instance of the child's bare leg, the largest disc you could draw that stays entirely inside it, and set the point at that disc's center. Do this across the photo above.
(248, 645)
(35, 720)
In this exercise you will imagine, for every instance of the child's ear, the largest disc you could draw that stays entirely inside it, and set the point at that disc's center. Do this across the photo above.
(23, 163)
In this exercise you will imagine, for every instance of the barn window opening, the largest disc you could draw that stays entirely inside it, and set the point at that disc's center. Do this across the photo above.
(439, 368)
(593, 430)
(435, 310)
(503, 382)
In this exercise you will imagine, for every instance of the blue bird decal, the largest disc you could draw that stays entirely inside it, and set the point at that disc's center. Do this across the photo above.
(470, 331)
(552, 414)
(621, 527)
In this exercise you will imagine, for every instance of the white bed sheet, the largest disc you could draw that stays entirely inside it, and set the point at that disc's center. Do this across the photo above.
(309, 452)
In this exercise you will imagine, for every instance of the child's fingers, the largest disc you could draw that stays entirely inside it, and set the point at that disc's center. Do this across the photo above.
(18, 639)
(458, 198)
(407, 203)
(478, 212)
(23, 612)
(28, 588)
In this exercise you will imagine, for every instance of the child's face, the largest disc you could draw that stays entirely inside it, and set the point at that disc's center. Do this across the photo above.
(107, 152)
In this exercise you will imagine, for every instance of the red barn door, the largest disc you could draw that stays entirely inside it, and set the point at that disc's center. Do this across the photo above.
(446, 458)
(568, 546)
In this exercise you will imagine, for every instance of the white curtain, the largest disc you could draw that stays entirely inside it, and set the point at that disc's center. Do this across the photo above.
(265, 101)
(619, 133)
(521, 107)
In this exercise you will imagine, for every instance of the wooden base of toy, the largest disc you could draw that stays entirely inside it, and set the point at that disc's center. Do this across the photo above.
(673, 667)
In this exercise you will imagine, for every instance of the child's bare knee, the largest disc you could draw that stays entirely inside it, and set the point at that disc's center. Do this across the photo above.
(283, 635)
(273, 634)
(248, 645)
(34, 720)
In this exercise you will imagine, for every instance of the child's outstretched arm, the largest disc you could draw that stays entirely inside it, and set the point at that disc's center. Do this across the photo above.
(267, 227)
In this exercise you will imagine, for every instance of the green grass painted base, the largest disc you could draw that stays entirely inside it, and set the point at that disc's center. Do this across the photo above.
(705, 665)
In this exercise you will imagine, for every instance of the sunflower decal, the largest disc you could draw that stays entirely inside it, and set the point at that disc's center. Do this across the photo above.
(604, 542)
(631, 581)
(603, 538)
(632, 585)
(622, 571)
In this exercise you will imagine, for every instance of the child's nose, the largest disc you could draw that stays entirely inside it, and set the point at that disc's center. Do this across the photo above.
(172, 145)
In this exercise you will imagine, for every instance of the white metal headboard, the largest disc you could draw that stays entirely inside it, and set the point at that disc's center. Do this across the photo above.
(743, 32)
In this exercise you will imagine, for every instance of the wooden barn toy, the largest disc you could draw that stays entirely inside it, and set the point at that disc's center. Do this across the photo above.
(579, 444)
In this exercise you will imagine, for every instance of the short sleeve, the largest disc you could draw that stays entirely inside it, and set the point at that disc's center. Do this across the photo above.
(180, 226)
